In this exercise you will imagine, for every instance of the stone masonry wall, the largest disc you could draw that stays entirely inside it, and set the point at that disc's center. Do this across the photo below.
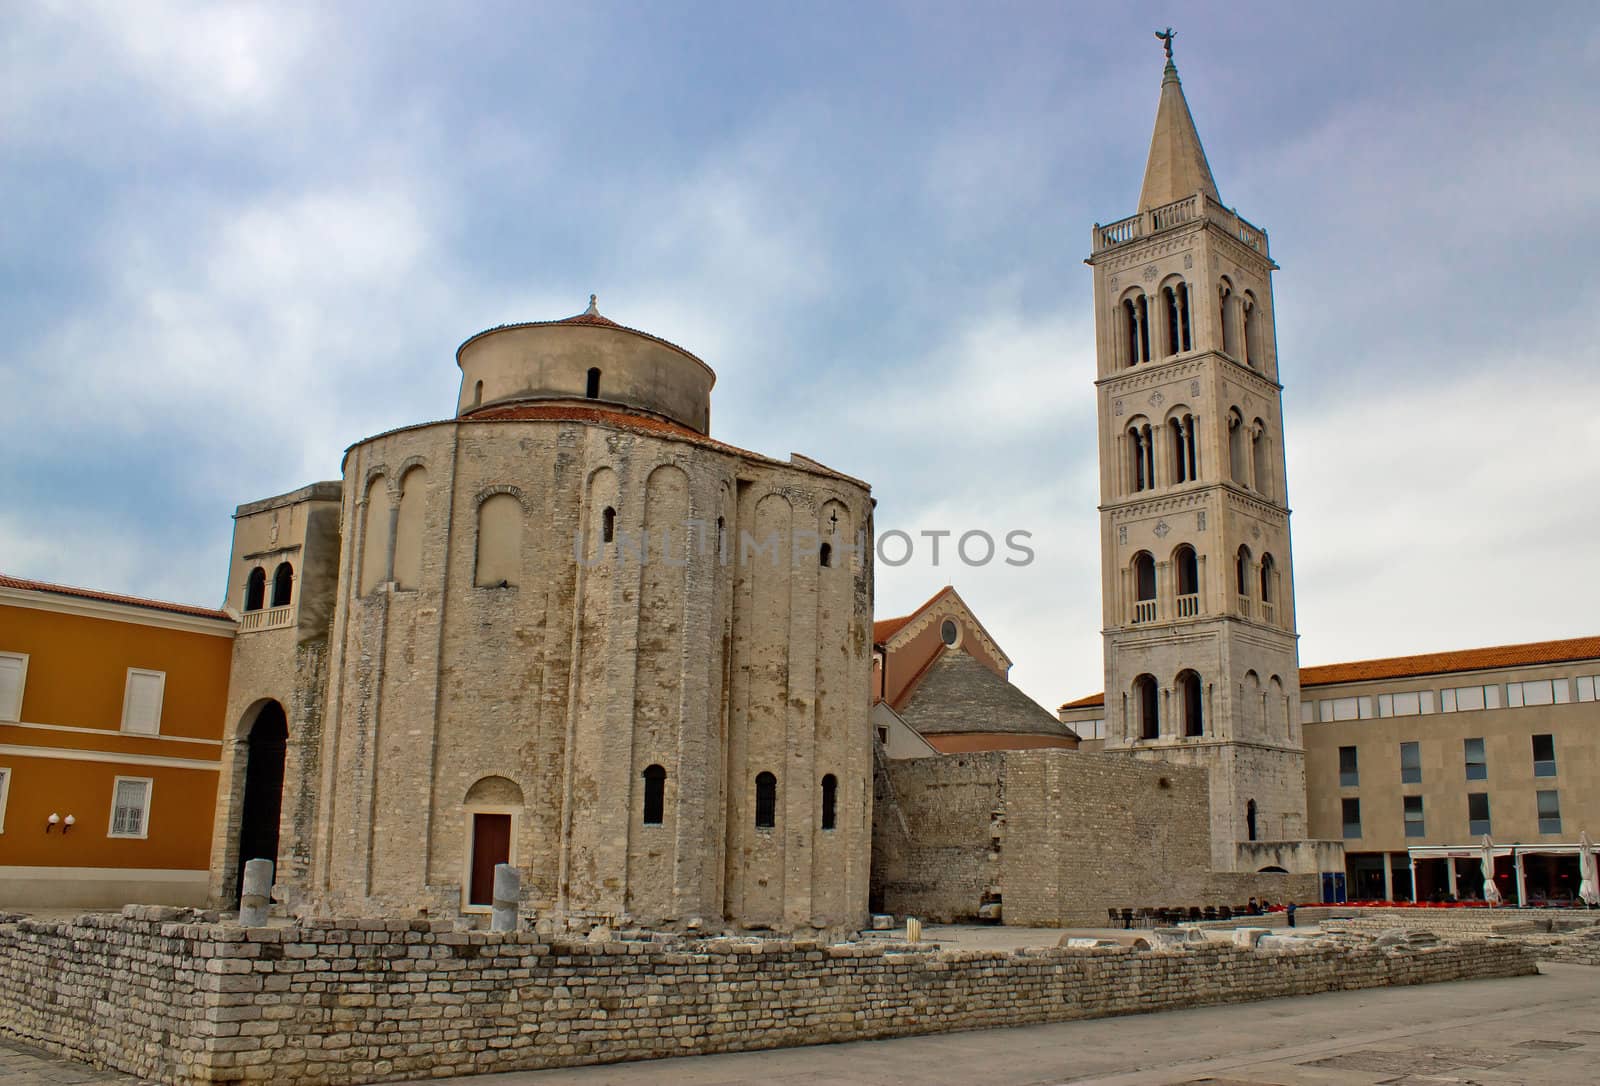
(373, 1000)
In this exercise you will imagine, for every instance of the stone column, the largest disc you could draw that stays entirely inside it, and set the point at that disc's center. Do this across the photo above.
(1451, 863)
(507, 893)
(256, 893)
(1388, 878)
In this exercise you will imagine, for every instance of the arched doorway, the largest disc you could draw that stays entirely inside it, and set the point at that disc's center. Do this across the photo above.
(263, 789)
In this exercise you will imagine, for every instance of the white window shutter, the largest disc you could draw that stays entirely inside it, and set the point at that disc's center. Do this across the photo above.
(128, 808)
(142, 710)
(12, 669)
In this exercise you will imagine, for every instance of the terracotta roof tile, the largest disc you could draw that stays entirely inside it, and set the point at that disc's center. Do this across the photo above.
(111, 597)
(885, 628)
(1433, 663)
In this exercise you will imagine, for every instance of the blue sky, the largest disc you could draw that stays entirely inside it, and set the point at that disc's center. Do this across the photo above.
(241, 237)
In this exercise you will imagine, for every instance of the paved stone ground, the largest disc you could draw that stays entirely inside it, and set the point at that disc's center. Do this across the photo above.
(1525, 1030)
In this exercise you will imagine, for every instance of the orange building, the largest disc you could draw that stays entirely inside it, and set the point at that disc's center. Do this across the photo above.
(111, 717)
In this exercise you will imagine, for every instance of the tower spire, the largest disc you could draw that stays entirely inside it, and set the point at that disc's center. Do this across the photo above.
(1177, 165)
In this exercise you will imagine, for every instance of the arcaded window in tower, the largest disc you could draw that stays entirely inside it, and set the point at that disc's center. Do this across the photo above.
(1238, 465)
(1255, 350)
(499, 558)
(1189, 695)
(766, 801)
(1146, 704)
(1175, 308)
(1260, 459)
(1187, 565)
(255, 590)
(1141, 444)
(1269, 594)
(655, 795)
(1144, 583)
(830, 801)
(593, 389)
(1136, 329)
(1227, 318)
(1183, 463)
(282, 584)
(1242, 578)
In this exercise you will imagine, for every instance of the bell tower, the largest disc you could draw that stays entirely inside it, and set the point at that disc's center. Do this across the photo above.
(1197, 577)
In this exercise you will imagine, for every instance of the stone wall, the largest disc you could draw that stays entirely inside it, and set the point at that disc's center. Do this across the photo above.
(1058, 836)
(1455, 921)
(375, 1000)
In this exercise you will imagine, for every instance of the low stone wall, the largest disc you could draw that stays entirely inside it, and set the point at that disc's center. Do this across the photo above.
(1579, 948)
(357, 1001)
(1452, 921)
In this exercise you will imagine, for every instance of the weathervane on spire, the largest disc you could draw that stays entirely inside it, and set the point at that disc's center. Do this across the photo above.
(1166, 40)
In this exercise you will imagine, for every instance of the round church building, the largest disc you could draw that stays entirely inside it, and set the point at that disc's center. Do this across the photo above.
(575, 633)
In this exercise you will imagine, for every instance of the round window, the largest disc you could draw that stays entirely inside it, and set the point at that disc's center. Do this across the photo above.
(949, 631)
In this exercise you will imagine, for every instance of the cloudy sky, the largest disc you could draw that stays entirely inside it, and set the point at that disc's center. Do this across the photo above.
(239, 237)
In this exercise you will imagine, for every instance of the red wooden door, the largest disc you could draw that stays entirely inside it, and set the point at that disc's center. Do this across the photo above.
(491, 844)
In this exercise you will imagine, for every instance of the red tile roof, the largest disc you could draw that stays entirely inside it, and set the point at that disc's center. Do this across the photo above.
(1433, 663)
(885, 628)
(111, 597)
(641, 423)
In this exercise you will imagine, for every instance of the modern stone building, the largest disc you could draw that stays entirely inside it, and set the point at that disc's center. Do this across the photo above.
(1197, 575)
(566, 629)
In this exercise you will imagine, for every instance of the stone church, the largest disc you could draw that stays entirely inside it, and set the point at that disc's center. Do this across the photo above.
(568, 629)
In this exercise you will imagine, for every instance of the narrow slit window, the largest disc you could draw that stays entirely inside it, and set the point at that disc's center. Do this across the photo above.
(593, 390)
(608, 525)
(766, 801)
(830, 801)
(655, 795)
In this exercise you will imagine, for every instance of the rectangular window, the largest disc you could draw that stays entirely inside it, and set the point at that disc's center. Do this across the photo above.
(1409, 703)
(13, 675)
(1477, 760)
(1349, 768)
(130, 807)
(141, 701)
(5, 790)
(1410, 763)
(1538, 692)
(1308, 712)
(1341, 709)
(1544, 756)
(1466, 699)
(1352, 817)
(1478, 813)
(1414, 816)
(1549, 811)
(1586, 687)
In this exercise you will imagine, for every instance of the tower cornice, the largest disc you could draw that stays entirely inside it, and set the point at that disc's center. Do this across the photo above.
(1134, 378)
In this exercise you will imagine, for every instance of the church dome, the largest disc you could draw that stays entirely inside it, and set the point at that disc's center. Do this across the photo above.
(585, 357)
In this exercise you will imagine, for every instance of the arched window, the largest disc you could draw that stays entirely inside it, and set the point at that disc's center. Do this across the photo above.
(255, 589)
(1259, 460)
(1241, 568)
(499, 559)
(766, 800)
(830, 800)
(1136, 329)
(1188, 567)
(722, 553)
(593, 389)
(1141, 444)
(1254, 354)
(1189, 695)
(477, 393)
(282, 584)
(655, 795)
(1183, 448)
(1250, 819)
(608, 525)
(1144, 587)
(1237, 465)
(1269, 571)
(1228, 320)
(825, 555)
(1146, 702)
(1175, 301)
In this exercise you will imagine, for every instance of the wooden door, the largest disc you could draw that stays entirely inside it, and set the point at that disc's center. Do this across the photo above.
(491, 844)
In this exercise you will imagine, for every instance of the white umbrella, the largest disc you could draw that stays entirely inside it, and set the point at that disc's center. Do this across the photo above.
(1491, 892)
(1588, 887)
